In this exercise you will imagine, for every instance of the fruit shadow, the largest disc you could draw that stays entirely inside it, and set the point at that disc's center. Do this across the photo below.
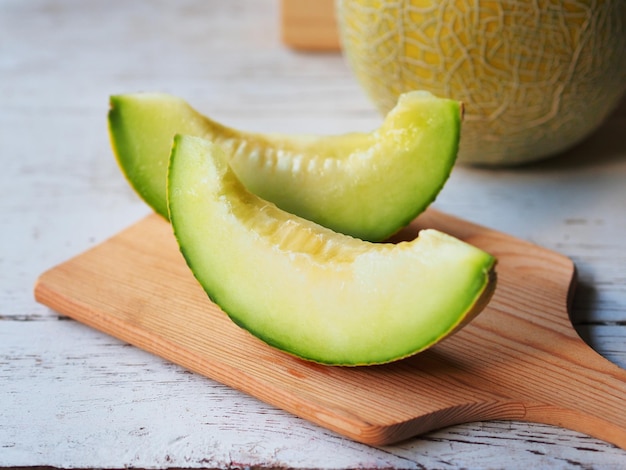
(405, 234)
(582, 304)
(606, 144)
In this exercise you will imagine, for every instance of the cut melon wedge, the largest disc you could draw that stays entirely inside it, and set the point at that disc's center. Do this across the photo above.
(311, 292)
(367, 185)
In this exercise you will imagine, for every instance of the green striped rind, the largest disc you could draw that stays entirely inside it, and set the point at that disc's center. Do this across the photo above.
(312, 292)
(367, 185)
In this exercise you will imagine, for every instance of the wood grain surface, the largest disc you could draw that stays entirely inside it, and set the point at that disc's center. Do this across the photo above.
(520, 359)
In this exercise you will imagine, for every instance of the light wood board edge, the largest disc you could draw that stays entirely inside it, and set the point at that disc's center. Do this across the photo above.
(309, 25)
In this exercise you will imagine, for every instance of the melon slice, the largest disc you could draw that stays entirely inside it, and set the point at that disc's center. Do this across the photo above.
(307, 290)
(367, 185)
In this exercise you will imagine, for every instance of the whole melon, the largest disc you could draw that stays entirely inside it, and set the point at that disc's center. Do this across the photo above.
(536, 76)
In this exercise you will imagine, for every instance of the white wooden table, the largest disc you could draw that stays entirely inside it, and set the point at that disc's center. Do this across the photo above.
(73, 397)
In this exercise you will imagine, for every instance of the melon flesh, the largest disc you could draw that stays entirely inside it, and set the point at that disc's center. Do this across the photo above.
(309, 291)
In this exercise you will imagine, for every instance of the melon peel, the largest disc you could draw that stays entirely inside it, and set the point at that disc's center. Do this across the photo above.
(536, 77)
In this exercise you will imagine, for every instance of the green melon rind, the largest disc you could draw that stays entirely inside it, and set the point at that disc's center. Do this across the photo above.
(141, 127)
(311, 292)
(368, 185)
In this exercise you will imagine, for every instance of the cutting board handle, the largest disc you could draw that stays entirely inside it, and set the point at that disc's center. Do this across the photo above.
(540, 358)
(587, 394)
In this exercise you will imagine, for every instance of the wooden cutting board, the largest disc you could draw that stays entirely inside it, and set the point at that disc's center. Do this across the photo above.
(520, 359)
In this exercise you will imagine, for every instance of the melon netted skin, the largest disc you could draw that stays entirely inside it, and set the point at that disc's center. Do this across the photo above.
(536, 77)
